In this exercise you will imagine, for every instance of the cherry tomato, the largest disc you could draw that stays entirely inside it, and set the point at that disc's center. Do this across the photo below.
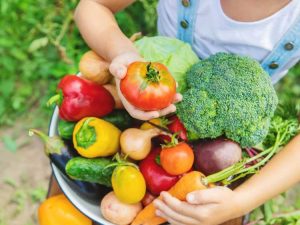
(128, 184)
(148, 86)
(178, 159)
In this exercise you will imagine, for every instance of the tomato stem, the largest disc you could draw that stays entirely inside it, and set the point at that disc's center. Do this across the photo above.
(173, 142)
(86, 136)
(152, 74)
(121, 162)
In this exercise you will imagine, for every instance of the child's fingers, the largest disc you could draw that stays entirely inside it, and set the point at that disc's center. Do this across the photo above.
(170, 109)
(207, 196)
(177, 98)
(118, 66)
(142, 115)
(168, 213)
(118, 70)
(170, 220)
(177, 205)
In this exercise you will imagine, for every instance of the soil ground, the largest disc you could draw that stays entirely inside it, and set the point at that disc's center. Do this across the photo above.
(24, 176)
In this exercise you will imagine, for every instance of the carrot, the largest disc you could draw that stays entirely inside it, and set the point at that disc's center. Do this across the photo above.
(191, 181)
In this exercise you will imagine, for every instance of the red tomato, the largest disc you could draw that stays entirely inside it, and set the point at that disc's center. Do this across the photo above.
(178, 159)
(148, 86)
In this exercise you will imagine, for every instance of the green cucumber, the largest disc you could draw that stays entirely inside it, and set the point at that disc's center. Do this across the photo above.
(119, 118)
(65, 129)
(91, 170)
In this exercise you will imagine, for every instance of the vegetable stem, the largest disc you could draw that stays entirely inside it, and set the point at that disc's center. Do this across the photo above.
(57, 99)
(53, 145)
(43, 136)
(152, 74)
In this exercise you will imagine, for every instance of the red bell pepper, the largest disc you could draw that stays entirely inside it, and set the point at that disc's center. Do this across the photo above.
(78, 98)
(157, 179)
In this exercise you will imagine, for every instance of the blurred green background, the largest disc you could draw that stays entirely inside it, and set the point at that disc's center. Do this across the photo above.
(39, 44)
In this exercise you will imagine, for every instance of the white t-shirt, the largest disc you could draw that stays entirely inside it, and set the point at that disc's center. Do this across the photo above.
(216, 32)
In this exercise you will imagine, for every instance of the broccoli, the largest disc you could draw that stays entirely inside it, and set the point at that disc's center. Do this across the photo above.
(228, 95)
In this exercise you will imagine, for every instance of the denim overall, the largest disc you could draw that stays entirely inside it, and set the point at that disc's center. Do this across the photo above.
(278, 58)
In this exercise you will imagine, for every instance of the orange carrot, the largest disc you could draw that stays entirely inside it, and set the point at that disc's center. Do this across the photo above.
(191, 181)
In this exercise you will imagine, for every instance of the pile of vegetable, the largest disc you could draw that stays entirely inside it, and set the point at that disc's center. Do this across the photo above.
(219, 135)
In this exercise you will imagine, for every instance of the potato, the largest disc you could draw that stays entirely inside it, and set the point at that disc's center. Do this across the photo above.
(94, 68)
(212, 156)
(117, 212)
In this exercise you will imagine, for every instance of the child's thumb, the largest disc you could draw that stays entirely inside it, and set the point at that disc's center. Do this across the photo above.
(118, 70)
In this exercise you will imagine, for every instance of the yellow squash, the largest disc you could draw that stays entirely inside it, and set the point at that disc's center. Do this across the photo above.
(94, 137)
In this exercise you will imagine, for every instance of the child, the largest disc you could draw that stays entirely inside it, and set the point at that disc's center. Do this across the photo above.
(267, 30)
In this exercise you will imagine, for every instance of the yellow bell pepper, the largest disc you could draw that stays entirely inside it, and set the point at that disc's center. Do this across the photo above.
(94, 137)
(58, 210)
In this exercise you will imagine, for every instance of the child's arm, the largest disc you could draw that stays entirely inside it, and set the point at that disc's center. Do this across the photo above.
(282, 172)
(220, 204)
(101, 32)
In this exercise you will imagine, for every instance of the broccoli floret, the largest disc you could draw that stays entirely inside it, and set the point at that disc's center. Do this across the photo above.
(228, 95)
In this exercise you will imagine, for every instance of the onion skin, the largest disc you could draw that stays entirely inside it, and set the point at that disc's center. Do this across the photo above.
(212, 156)
(136, 143)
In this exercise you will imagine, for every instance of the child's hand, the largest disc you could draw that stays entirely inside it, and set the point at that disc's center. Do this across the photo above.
(118, 68)
(206, 207)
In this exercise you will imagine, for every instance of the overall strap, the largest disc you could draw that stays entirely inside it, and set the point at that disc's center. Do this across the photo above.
(284, 50)
(187, 13)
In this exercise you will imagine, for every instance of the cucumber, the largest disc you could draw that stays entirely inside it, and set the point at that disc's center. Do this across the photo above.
(65, 129)
(119, 118)
(91, 170)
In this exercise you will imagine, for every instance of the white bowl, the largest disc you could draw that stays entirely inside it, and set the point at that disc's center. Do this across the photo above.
(86, 207)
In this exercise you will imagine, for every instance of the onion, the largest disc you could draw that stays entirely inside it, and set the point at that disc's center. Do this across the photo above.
(136, 143)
